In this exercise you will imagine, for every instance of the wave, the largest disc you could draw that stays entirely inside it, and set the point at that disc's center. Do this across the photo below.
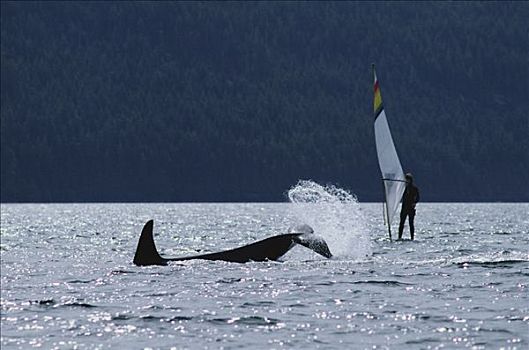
(163, 319)
(504, 258)
(229, 280)
(257, 304)
(77, 304)
(119, 272)
(43, 302)
(248, 320)
(492, 263)
(421, 341)
(53, 303)
(81, 281)
(383, 282)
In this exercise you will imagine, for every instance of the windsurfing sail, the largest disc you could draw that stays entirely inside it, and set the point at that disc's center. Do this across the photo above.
(392, 175)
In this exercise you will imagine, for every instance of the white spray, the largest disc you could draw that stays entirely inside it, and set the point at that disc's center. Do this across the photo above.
(334, 214)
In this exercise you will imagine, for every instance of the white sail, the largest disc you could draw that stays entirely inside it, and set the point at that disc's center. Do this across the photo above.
(388, 160)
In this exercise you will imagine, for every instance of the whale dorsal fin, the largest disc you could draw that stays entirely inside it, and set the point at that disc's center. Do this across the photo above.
(146, 253)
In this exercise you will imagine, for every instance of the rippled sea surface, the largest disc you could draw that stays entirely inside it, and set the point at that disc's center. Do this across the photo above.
(67, 278)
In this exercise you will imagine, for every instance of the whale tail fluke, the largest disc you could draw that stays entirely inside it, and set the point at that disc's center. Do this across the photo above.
(146, 253)
(308, 239)
(315, 243)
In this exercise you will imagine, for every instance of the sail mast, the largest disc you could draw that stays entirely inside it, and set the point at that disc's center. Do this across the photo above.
(385, 212)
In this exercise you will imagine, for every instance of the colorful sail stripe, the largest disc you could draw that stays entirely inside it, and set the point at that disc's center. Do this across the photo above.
(377, 102)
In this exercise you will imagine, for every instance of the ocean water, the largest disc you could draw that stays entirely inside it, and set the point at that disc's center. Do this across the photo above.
(68, 282)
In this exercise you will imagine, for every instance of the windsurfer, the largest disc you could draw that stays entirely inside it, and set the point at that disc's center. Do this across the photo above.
(409, 199)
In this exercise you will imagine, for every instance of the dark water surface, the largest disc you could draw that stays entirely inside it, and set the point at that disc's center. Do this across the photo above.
(67, 280)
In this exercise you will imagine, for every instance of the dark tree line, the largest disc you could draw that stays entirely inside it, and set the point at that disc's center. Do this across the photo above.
(190, 101)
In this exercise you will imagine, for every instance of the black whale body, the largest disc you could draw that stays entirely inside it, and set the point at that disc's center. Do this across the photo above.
(271, 248)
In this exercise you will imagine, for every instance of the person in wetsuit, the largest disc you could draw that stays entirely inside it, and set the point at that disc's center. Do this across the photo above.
(409, 199)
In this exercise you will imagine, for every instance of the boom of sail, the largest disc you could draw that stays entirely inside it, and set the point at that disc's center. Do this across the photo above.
(392, 175)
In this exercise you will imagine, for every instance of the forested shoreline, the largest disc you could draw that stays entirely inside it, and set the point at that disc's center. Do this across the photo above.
(237, 101)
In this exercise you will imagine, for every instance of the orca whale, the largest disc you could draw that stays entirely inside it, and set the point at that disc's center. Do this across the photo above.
(271, 248)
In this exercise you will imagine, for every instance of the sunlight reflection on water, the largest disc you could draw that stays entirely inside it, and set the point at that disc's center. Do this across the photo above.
(68, 281)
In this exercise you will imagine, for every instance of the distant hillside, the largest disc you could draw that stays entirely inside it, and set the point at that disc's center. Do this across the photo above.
(189, 101)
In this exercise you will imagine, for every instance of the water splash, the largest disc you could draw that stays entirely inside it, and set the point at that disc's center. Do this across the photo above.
(334, 213)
